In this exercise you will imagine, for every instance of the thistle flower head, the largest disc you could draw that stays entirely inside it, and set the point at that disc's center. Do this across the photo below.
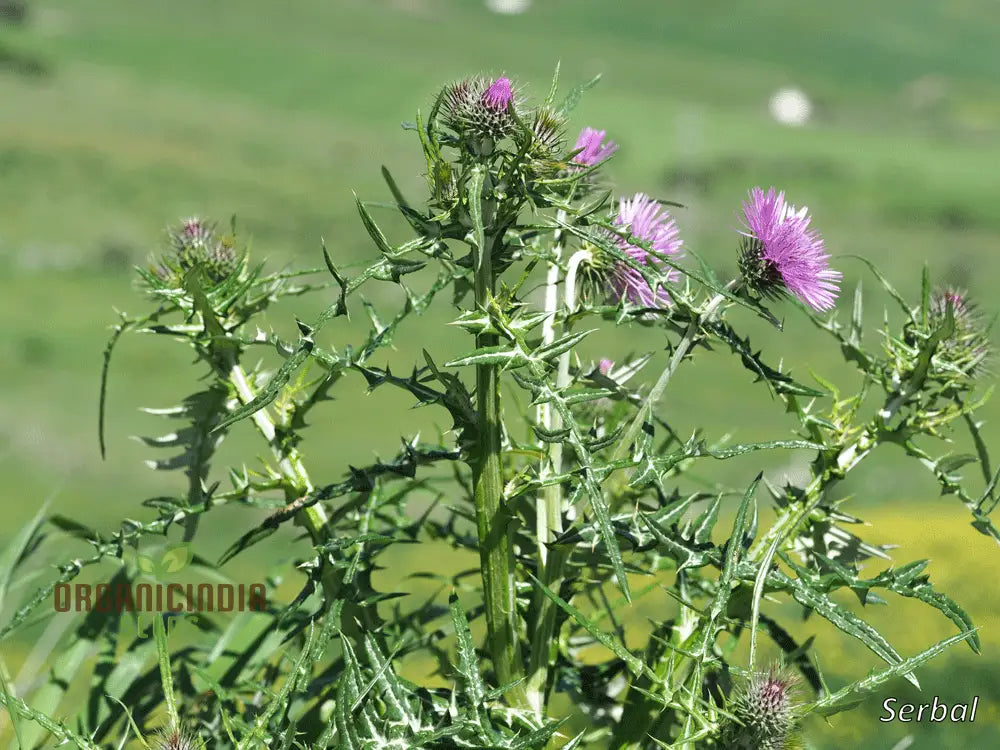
(194, 243)
(781, 253)
(967, 346)
(192, 232)
(175, 739)
(765, 710)
(605, 365)
(479, 108)
(646, 220)
(592, 147)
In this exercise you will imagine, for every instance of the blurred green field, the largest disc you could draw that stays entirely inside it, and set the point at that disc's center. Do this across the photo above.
(118, 117)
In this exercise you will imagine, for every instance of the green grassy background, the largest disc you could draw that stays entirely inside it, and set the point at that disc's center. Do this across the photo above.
(117, 117)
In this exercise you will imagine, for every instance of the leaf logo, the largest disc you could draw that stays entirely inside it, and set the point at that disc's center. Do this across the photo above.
(173, 558)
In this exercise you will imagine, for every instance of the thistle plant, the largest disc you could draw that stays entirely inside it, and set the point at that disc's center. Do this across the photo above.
(561, 474)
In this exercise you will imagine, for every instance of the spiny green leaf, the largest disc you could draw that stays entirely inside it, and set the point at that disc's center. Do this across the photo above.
(573, 96)
(703, 525)
(491, 355)
(634, 663)
(841, 700)
(807, 595)
(563, 344)
(372, 228)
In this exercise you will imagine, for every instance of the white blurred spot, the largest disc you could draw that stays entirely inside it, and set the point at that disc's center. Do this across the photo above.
(790, 107)
(508, 7)
(927, 92)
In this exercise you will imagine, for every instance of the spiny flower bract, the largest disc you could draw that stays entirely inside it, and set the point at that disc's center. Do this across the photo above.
(194, 243)
(547, 133)
(781, 253)
(175, 739)
(967, 346)
(765, 709)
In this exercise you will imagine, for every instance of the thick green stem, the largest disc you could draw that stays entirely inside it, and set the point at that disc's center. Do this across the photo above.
(496, 550)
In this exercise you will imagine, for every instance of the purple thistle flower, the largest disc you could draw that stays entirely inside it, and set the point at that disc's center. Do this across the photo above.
(499, 95)
(605, 365)
(594, 149)
(781, 252)
(647, 220)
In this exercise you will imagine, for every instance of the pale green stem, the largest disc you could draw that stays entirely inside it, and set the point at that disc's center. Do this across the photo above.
(553, 493)
(786, 524)
(551, 502)
(290, 464)
(683, 347)
(166, 676)
(544, 411)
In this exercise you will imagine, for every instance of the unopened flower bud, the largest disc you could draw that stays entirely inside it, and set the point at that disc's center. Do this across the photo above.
(765, 710)
(194, 244)
(967, 346)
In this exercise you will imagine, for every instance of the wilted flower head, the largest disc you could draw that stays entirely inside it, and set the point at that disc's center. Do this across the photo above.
(479, 108)
(967, 347)
(765, 709)
(644, 218)
(781, 253)
(592, 147)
